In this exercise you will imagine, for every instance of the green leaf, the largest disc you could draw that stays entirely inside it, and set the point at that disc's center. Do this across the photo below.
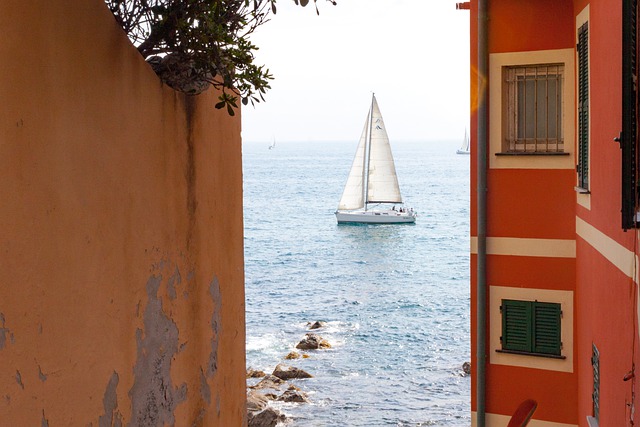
(230, 110)
(231, 100)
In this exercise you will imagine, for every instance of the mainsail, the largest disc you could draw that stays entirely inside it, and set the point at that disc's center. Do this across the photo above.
(382, 179)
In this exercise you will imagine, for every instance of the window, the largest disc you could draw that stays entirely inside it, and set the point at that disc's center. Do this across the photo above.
(595, 363)
(531, 327)
(583, 107)
(629, 135)
(534, 108)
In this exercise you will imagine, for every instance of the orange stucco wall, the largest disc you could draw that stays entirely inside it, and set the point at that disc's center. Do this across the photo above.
(524, 203)
(606, 297)
(542, 204)
(526, 25)
(121, 289)
(531, 203)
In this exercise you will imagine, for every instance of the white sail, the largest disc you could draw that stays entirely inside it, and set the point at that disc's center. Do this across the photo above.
(353, 194)
(383, 182)
(464, 149)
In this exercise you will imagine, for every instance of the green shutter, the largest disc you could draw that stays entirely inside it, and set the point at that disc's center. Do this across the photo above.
(516, 325)
(628, 136)
(583, 107)
(546, 328)
(531, 327)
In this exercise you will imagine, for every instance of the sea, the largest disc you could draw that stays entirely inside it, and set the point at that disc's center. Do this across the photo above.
(394, 298)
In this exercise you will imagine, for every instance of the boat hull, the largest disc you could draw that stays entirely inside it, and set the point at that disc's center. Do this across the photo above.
(375, 217)
(462, 152)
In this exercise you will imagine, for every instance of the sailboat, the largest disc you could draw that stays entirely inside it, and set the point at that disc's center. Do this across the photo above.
(273, 144)
(372, 185)
(464, 149)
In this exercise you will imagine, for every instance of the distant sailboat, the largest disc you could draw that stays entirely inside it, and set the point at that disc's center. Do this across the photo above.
(464, 149)
(273, 144)
(372, 181)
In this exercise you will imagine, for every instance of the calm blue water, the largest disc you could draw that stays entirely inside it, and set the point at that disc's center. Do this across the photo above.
(396, 297)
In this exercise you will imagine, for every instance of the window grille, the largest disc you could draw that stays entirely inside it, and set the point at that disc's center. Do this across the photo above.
(534, 108)
(595, 363)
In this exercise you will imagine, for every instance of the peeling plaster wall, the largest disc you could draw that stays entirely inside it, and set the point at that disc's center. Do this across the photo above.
(121, 245)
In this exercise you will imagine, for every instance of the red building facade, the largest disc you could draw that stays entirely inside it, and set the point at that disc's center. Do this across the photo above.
(554, 237)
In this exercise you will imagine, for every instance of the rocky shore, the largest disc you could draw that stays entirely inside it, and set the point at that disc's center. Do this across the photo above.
(277, 386)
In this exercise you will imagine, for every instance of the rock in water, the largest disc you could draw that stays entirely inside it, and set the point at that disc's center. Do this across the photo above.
(466, 368)
(292, 355)
(269, 417)
(251, 373)
(256, 401)
(293, 396)
(313, 342)
(269, 381)
(316, 325)
(288, 372)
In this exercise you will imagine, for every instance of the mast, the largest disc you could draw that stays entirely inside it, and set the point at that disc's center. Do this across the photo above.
(367, 156)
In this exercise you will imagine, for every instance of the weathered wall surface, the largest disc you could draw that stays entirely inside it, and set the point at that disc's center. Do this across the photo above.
(121, 252)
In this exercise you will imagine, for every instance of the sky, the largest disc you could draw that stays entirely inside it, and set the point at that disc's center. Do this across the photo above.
(413, 54)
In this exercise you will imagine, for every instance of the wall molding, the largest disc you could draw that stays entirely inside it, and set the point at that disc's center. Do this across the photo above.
(547, 248)
(497, 420)
(622, 258)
